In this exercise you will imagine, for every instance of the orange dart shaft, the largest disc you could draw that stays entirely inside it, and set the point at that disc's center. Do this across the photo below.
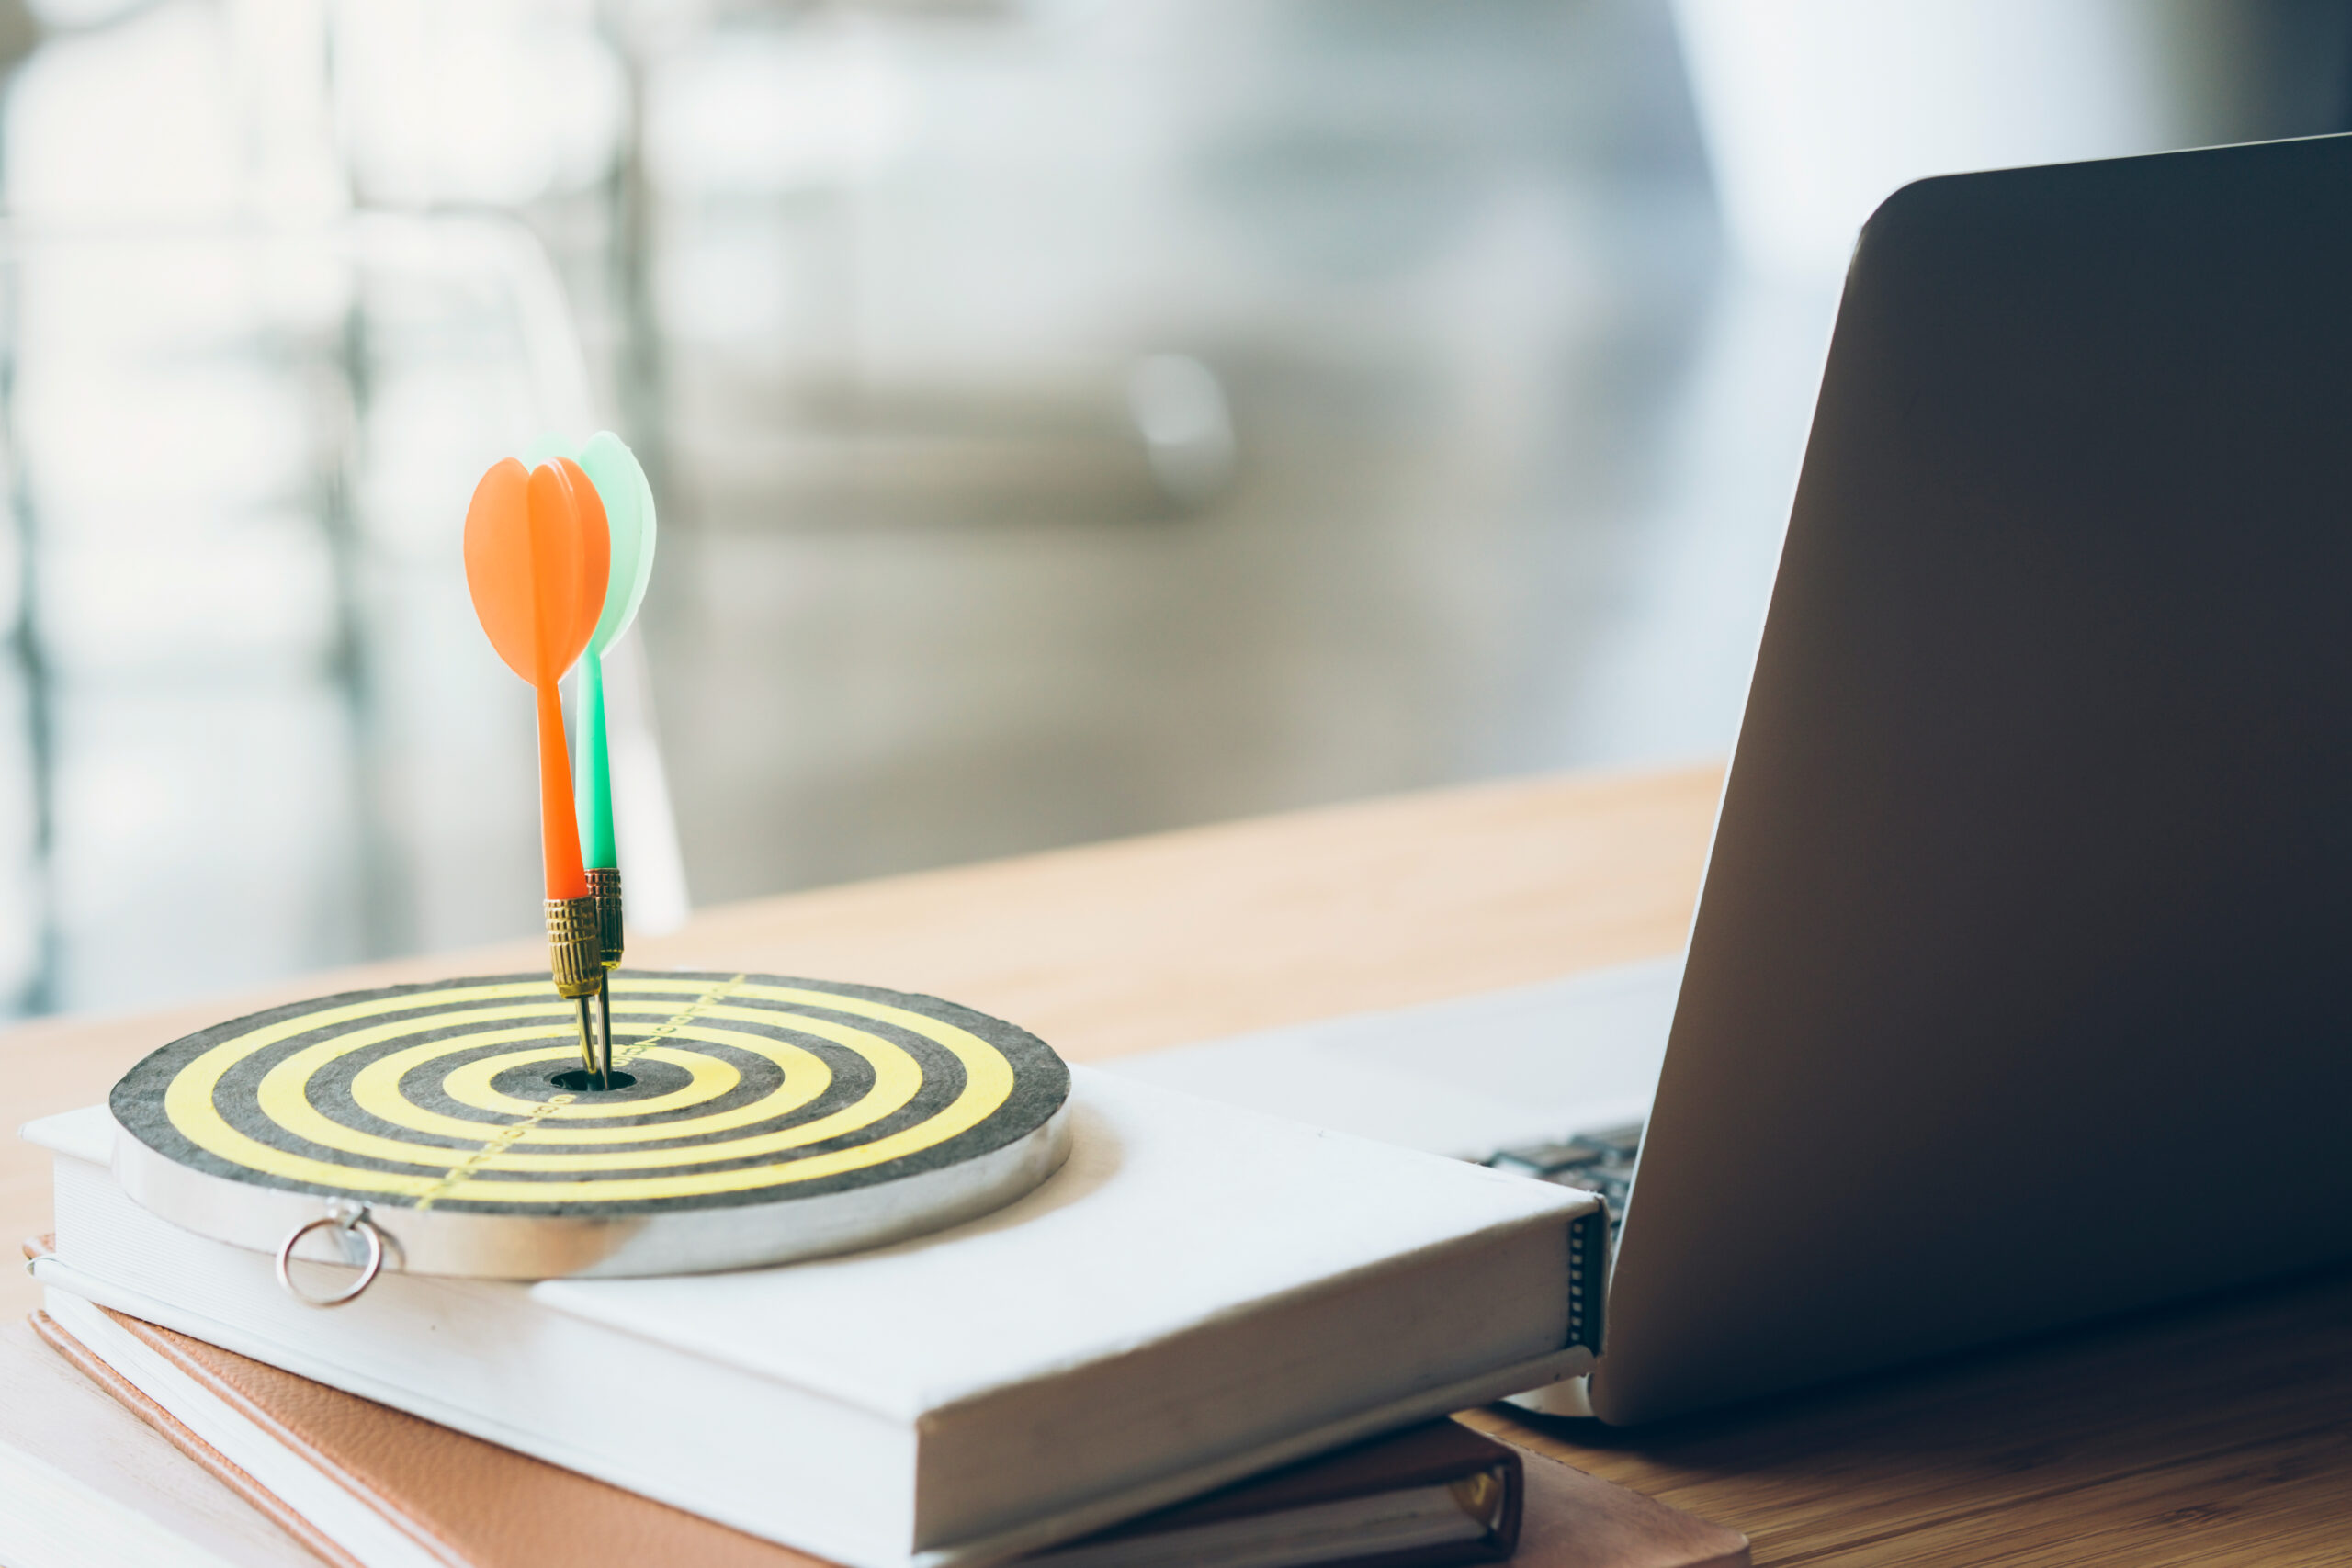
(559, 828)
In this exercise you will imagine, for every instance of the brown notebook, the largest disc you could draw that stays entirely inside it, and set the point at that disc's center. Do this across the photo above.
(474, 1505)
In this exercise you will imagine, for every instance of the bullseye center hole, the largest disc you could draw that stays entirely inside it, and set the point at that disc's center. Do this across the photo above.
(580, 1080)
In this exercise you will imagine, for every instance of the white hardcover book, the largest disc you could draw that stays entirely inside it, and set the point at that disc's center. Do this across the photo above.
(1199, 1293)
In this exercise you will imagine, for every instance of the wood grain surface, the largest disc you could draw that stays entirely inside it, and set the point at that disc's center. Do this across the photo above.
(2217, 1433)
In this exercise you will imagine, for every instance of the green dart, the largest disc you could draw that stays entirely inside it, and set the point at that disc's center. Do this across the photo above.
(621, 485)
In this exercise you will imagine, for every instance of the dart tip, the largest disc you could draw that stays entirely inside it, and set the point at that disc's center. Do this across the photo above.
(604, 1036)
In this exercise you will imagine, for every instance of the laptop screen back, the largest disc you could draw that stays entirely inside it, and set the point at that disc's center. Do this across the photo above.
(2021, 989)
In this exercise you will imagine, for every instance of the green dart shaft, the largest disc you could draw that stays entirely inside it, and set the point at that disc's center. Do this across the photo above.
(592, 773)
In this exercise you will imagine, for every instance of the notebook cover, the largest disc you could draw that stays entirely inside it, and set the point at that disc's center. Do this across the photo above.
(479, 1505)
(475, 1504)
(135, 1400)
(1103, 1382)
(472, 1504)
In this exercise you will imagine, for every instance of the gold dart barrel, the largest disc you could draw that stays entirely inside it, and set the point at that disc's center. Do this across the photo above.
(604, 888)
(575, 957)
(575, 951)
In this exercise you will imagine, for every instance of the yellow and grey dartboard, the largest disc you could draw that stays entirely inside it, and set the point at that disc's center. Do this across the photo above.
(753, 1119)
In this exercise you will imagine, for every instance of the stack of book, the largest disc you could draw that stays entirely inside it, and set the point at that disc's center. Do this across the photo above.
(1213, 1337)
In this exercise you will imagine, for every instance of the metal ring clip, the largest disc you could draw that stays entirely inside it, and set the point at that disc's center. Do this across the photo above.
(345, 1217)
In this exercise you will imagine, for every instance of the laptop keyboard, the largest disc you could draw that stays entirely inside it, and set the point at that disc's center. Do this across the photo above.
(1601, 1161)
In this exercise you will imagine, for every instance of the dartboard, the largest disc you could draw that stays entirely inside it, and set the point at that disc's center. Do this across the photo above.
(750, 1119)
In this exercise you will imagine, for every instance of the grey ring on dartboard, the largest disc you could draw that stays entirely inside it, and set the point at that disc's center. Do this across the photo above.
(764, 1119)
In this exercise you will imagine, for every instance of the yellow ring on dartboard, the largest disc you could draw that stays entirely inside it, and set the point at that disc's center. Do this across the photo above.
(898, 1078)
(188, 1105)
(467, 1087)
(375, 1088)
(560, 1014)
(708, 1078)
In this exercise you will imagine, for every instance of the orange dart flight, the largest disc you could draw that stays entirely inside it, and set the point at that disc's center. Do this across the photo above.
(537, 555)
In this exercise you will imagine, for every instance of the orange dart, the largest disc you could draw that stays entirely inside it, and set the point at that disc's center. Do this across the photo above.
(536, 553)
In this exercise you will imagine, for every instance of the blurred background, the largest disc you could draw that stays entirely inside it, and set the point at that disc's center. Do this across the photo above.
(1069, 418)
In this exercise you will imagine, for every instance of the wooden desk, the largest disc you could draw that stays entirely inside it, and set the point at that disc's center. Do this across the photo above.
(2216, 1434)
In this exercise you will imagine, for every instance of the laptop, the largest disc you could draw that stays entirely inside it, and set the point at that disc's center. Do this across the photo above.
(2020, 990)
